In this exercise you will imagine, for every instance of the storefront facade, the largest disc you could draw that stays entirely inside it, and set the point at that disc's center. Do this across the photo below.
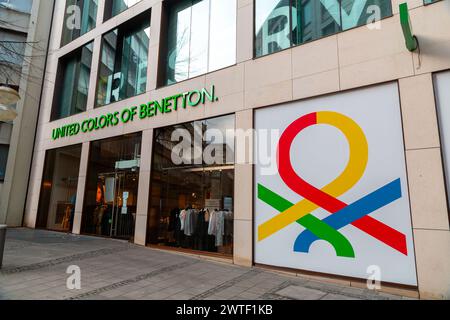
(288, 134)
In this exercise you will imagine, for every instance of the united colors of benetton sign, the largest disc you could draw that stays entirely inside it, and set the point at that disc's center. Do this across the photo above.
(144, 111)
(339, 202)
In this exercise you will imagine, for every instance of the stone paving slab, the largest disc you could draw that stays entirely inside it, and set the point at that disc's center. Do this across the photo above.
(36, 261)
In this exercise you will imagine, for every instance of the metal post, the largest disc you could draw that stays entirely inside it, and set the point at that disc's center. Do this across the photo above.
(2, 242)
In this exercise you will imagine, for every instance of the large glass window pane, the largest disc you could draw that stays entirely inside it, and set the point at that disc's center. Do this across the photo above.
(201, 37)
(80, 18)
(59, 189)
(223, 31)
(110, 201)
(356, 12)
(179, 39)
(272, 26)
(75, 70)
(123, 67)
(192, 188)
(315, 19)
(282, 23)
(114, 7)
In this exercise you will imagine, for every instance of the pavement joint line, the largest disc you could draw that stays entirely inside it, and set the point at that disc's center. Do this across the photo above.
(136, 279)
(227, 284)
(58, 261)
(273, 295)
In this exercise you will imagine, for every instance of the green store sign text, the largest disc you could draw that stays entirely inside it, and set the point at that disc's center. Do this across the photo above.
(144, 111)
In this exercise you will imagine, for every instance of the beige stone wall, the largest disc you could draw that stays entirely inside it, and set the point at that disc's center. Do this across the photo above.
(348, 60)
(13, 194)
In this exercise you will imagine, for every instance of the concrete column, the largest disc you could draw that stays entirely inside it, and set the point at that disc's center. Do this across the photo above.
(244, 30)
(13, 196)
(96, 55)
(153, 52)
(81, 187)
(426, 186)
(243, 194)
(144, 188)
(34, 189)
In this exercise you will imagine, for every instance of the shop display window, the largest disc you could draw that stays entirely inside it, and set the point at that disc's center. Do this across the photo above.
(59, 189)
(110, 201)
(192, 198)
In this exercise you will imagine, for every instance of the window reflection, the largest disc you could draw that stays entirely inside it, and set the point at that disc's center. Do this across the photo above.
(282, 23)
(201, 38)
(88, 11)
(273, 31)
(74, 74)
(114, 7)
(123, 68)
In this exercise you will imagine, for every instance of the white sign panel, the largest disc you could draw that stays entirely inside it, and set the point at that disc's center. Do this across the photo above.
(337, 201)
(442, 85)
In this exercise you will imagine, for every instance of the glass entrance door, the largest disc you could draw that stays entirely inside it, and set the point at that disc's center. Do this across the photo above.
(124, 204)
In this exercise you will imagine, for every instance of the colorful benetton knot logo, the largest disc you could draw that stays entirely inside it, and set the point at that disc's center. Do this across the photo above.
(342, 214)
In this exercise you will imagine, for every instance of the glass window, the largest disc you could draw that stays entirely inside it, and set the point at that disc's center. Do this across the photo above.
(280, 24)
(201, 38)
(59, 189)
(192, 186)
(80, 18)
(114, 7)
(357, 13)
(273, 26)
(18, 5)
(123, 67)
(73, 85)
(314, 20)
(110, 201)
(4, 151)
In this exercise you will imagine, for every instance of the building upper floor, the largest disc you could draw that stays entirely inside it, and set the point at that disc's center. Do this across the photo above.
(106, 52)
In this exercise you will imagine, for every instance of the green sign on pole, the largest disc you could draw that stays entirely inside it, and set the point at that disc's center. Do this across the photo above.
(411, 40)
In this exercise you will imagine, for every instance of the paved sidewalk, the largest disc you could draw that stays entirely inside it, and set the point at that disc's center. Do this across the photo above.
(35, 264)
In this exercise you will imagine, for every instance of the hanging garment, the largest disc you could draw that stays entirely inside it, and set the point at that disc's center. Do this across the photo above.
(190, 221)
(182, 219)
(220, 228)
(200, 231)
(212, 223)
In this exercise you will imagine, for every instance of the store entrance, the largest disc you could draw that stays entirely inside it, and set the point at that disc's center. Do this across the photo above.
(122, 198)
(110, 203)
